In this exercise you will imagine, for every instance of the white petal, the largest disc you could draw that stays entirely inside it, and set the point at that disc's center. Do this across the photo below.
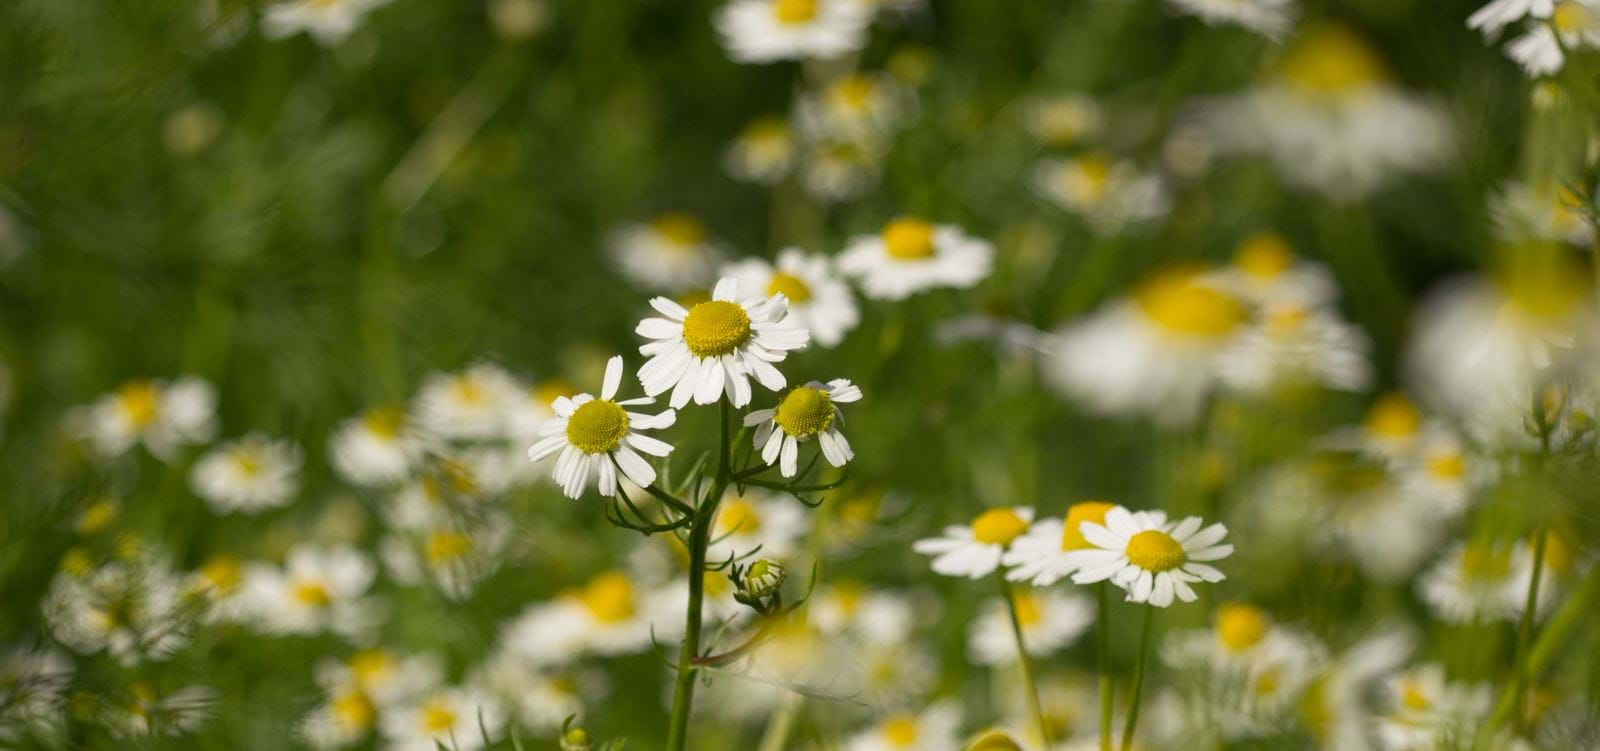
(651, 446)
(544, 448)
(613, 380)
(635, 467)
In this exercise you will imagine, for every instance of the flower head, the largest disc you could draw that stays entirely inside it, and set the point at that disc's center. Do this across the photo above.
(600, 437)
(764, 31)
(1152, 559)
(716, 346)
(912, 255)
(974, 550)
(1043, 555)
(803, 413)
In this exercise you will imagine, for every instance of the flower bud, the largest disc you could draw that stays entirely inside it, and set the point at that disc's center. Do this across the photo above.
(575, 739)
(762, 579)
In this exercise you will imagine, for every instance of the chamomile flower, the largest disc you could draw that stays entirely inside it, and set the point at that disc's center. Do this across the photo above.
(747, 523)
(33, 689)
(911, 255)
(671, 253)
(317, 590)
(1428, 712)
(932, 729)
(872, 616)
(144, 712)
(327, 21)
(974, 551)
(1265, 271)
(357, 690)
(467, 405)
(1474, 582)
(378, 448)
(1335, 708)
(536, 697)
(609, 615)
(1043, 554)
(1049, 619)
(838, 169)
(132, 609)
(1525, 211)
(249, 475)
(163, 416)
(1109, 195)
(1152, 559)
(219, 582)
(819, 301)
(803, 413)
(457, 718)
(764, 152)
(1268, 17)
(1498, 14)
(1245, 673)
(854, 105)
(1064, 119)
(766, 31)
(454, 553)
(1288, 345)
(1573, 25)
(717, 346)
(1443, 473)
(601, 437)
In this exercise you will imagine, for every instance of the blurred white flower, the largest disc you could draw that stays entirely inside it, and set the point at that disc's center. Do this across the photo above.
(1269, 17)
(717, 346)
(1474, 582)
(358, 689)
(819, 300)
(378, 448)
(1050, 620)
(454, 553)
(1289, 345)
(974, 551)
(1336, 708)
(317, 590)
(803, 413)
(132, 609)
(932, 729)
(840, 169)
(1249, 673)
(161, 415)
(872, 616)
(601, 437)
(1524, 211)
(1265, 271)
(671, 253)
(765, 31)
(537, 698)
(1573, 25)
(853, 106)
(1426, 712)
(1109, 195)
(1498, 14)
(1063, 119)
(911, 255)
(611, 614)
(327, 21)
(1043, 555)
(456, 718)
(144, 712)
(764, 152)
(249, 475)
(1152, 559)
(33, 691)
(469, 405)
(746, 523)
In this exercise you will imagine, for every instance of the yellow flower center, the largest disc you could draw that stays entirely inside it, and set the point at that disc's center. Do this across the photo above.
(1264, 256)
(1570, 17)
(738, 515)
(804, 411)
(792, 287)
(1546, 284)
(552, 389)
(1088, 511)
(1285, 321)
(1447, 465)
(1394, 416)
(847, 595)
(1484, 562)
(1179, 304)
(609, 597)
(444, 546)
(900, 731)
(1412, 696)
(854, 91)
(384, 422)
(759, 569)
(140, 402)
(370, 665)
(1330, 60)
(1240, 626)
(1155, 551)
(1266, 683)
(678, 229)
(791, 12)
(99, 514)
(248, 460)
(467, 389)
(998, 526)
(312, 594)
(1027, 606)
(715, 328)
(1094, 170)
(354, 710)
(437, 717)
(222, 573)
(597, 427)
(908, 239)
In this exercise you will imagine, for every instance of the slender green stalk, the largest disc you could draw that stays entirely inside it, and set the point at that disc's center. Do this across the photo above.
(1028, 686)
(1138, 679)
(699, 539)
(777, 733)
(1103, 637)
(1525, 630)
(1558, 628)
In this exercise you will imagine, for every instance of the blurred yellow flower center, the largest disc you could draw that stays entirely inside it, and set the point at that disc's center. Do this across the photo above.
(609, 597)
(1571, 17)
(248, 460)
(1447, 465)
(467, 389)
(994, 740)
(715, 328)
(1154, 550)
(900, 731)
(681, 230)
(1264, 256)
(847, 596)
(767, 130)
(1330, 60)
(794, 11)
(1094, 172)
(1071, 528)
(853, 91)
(1027, 607)
(354, 710)
(1178, 303)
(222, 574)
(1285, 321)
(1547, 286)
(1394, 416)
(1413, 697)
(312, 594)
(597, 427)
(444, 546)
(792, 287)
(370, 665)
(908, 239)
(738, 515)
(1266, 683)
(804, 411)
(1240, 626)
(998, 526)
(1484, 562)
(384, 422)
(437, 717)
(140, 402)
(552, 389)
(98, 515)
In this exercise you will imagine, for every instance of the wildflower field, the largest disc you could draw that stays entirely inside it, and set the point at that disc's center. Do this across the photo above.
(750, 375)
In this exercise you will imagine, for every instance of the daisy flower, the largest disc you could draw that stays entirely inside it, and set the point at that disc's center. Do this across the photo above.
(133, 610)
(803, 413)
(1049, 619)
(1524, 211)
(609, 615)
(327, 21)
(932, 729)
(716, 346)
(1265, 271)
(378, 448)
(746, 523)
(249, 475)
(1109, 195)
(853, 105)
(454, 553)
(469, 405)
(1573, 25)
(911, 255)
(764, 152)
(317, 590)
(1042, 555)
(974, 551)
(819, 301)
(602, 436)
(454, 718)
(1498, 14)
(1428, 712)
(536, 697)
(1153, 560)
(144, 712)
(1289, 345)
(1336, 707)
(163, 416)
(1475, 582)
(838, 169)
(1268, 17)
(357, 690)
(877, 617)
(671, 253)
(1064, 119)
(33, 690)
(765, 31)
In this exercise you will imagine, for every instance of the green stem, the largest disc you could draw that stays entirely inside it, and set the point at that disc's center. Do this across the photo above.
(777, 733)
(699, 539)
(1525, 629)
(1103, 637)
(1028, 686)
(1560, 625)
(1138, 679)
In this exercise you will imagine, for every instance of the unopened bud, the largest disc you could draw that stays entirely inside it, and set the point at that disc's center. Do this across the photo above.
(575, 739)
(763, 579)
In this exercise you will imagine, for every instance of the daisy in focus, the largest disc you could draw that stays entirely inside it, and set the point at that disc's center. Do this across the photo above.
(249, 475)
(601, 437)
(717, 346)
(1153, 560)
(671, 253)
(766, 31)
(161, 415)
(1042, 555)
(327, 21)
(1109, 195)
(911, 255)
(819, 301)
(1050, 620)
(1271, 18)
(932, 729)
(974, 551)
(803, 413)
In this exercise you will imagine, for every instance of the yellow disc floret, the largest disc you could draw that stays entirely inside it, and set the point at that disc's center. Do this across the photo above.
(804, 411)
(900, 731)
(1180, 304)
(1264, 255)
(681, 230)
(1240, 626)
(1330, 60)
(715, 328)
(597, 427)
(609, 597)
(139, 402)
(791, 286)
(1571, 17)
(1088, 511)
(438, 717)
(908, 239)
(1394, 416)
(998, 526)
(1154, 550)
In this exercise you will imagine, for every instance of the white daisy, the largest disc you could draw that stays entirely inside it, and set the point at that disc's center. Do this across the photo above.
(379, 448)
(454, 718)
(1427, 712)
(819, 300)
(133, 610)
(357, 690)
(600, 437)
(33, 690)
(1573, 25)
(1042, 555)
(537, 698)
(716, 346)
(746, 523)
(1336, 708)
(249, 475)
(468, 405)
(454, 554)
(764, 152)
(854, 105)
(1441, 472)
(610, 615)
(838, 169)
(1475, 582)
(932, 729)
(765, 31)
(911, 255)
(1498, 14)
(1251, 673)
(803, 413)
(974, 551)
(1269, 17)
(1265, 271)
(1150, 558)
(317, 590)
(671, 253)
(163, 416)
(144, 712)
(1109, 195)
(327, 21)
(220, 582)
(1288, 345)
(1064, 119)
(1524, 211)
(873, 616)
(1049, 619)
